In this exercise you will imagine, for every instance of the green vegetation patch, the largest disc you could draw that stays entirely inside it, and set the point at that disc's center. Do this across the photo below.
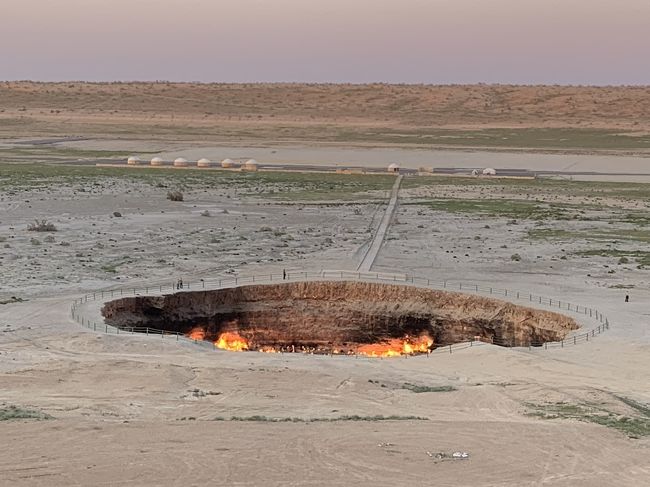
(514, 209)
(421, 389)
(529, 138)
(634, 426)
(353, 417)
(11, 413)
(283, 185)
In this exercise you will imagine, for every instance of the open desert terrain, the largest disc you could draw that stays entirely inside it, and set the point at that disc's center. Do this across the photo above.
(79, 406)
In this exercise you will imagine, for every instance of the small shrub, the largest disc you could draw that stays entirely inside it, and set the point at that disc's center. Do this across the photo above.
(515, 257)
(205, 213)
(35, 241)
(117, 214)
(175, 196)
(41, 226)
(623, 260)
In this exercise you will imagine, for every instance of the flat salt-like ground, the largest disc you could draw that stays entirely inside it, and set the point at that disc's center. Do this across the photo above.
(127, 412)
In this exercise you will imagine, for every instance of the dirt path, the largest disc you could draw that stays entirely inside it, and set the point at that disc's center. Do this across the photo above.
(378, 240)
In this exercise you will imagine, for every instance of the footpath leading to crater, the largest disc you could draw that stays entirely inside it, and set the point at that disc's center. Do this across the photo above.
(375, 245)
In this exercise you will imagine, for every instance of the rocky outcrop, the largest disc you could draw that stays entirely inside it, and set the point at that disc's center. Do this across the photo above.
(340, 315)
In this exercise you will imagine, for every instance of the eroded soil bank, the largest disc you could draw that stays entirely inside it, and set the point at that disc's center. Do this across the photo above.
(327, 316)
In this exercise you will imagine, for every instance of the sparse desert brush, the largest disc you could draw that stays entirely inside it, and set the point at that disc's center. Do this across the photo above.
(41, 226)
(175, 196)
(515, 257)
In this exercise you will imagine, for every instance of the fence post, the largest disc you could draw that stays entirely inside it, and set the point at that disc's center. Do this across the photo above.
(449, 348)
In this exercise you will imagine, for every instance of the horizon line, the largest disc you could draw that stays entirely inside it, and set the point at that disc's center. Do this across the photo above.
(331, 83)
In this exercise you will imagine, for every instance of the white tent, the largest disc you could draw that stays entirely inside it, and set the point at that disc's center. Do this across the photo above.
(181, 162)
(250, 165)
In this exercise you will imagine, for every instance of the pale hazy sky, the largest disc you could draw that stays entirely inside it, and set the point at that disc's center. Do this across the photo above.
(412, 41)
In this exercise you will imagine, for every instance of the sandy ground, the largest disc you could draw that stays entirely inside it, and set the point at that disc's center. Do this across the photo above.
(137, 410)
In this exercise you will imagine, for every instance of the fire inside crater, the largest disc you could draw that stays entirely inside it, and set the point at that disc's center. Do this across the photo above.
(338, 317)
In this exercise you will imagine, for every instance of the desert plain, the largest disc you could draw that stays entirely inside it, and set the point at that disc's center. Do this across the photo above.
(81, 407)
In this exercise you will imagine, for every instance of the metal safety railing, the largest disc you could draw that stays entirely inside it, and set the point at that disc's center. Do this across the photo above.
(79, 313)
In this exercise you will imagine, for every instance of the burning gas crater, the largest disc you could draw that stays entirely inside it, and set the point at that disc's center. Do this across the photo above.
(376, 320)
(394, 347)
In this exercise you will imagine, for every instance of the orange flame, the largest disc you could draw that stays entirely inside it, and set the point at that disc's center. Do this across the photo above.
(268, 350)
(397, 347)
(232, 341)
(197, 333)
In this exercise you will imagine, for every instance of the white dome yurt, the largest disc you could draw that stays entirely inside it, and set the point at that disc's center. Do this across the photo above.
(488, 171)
(250, 165)
(157, 161)
(226, 163)
(204, 162)
(394, 168)
(133, 161)
(181, 162)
